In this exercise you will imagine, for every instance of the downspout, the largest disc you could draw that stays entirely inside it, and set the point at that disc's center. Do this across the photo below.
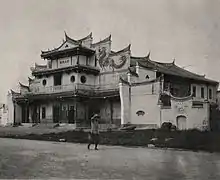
(161, 91)
(129, 96)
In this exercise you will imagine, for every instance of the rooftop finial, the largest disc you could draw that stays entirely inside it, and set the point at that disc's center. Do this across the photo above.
(148, 56)
(65, 34)
(174, 60)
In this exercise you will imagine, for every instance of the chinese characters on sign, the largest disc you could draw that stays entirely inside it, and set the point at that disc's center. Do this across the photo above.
(64, 61)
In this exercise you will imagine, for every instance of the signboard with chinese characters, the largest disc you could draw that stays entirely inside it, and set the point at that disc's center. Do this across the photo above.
(181, 106)
(64, 62)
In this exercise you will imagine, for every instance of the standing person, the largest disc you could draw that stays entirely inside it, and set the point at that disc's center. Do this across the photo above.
(94, 133)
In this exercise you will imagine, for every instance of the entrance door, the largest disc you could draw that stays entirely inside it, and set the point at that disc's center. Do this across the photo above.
(25, 113)
(71, 115)
(56, 113)
(181, 122)
(35, 115)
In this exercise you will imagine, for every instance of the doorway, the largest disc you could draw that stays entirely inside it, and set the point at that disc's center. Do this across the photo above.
(57, 79)
(25, 113)
(71, 114)
(181, 122)
(56, 113)
(36, 114)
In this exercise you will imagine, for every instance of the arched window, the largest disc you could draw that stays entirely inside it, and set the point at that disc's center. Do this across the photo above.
(83, 79)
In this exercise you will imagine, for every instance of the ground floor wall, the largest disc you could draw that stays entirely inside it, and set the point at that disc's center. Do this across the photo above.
(141, 105)
(74, 111)
(184, 116)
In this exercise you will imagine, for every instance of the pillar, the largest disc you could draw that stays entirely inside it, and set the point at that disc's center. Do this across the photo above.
(125, 104)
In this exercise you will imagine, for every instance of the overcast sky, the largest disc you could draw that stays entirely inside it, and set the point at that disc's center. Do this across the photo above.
(187, 30)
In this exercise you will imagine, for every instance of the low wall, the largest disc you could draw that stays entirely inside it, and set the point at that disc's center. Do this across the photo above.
(191, 140)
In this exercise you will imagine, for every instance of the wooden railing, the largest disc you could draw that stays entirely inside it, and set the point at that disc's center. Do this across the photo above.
(75, 87)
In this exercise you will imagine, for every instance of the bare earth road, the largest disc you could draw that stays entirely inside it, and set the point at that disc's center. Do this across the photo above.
(38, 159)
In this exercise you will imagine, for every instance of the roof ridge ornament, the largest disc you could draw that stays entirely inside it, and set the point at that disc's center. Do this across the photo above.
(148, 56)
(173, 61)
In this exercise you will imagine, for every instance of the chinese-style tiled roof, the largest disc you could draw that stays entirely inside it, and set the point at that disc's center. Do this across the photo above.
(126, 49)
(40, 66)
(74, 50)
(68, 94)
(132, 71)
(67, 39)
(82, 68)
(103, 41)
(23, 86)
(169, 69)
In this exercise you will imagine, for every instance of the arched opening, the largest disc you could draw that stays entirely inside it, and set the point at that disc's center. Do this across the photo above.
(181, 122)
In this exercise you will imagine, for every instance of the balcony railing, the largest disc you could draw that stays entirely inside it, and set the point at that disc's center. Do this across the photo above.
(75, 87)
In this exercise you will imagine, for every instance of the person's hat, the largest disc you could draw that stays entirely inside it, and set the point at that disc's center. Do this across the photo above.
(95, 116)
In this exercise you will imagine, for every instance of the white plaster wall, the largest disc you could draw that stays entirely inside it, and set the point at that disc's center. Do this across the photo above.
(143, 72)
(195, 117)
(90, 79)
(10, 109)
(87, 42)
(199, 117)
(71, 61)
(49, 113)
(64, 62)
(82, 60)
(124, 99)
(109, 80)
(206, 92)
(167, 115)
(142, 99)
(92, 61)
(66, 78)
(70, 45)
(4, 118)
(54, 64)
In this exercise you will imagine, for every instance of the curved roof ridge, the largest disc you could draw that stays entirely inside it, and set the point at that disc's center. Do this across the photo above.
(40, 65)
(77, 41)
(14, 93)
(68, 39)
(22, 85)
(139, 57)
(104, 40)
(189, 71)
(178, 98)
(127, 48)
(30, 79)
(55, 49)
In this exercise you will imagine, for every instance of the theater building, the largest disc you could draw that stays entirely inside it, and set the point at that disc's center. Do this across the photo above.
(81, 78)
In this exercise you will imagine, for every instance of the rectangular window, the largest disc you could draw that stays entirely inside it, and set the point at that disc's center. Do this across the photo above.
(202, 92)
(210, 94)
(196, 104)
(57, 79)
(194, 91)
(87, 61)
(49, 64)
(43, 112)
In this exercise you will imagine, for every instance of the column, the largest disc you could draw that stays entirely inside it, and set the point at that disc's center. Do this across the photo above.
(125, 103)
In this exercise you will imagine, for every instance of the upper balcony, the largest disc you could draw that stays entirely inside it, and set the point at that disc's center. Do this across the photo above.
(75, 87)
(70, 90)
(77, 68)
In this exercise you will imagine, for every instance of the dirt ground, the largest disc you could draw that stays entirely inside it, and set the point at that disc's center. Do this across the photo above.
(39, 159)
